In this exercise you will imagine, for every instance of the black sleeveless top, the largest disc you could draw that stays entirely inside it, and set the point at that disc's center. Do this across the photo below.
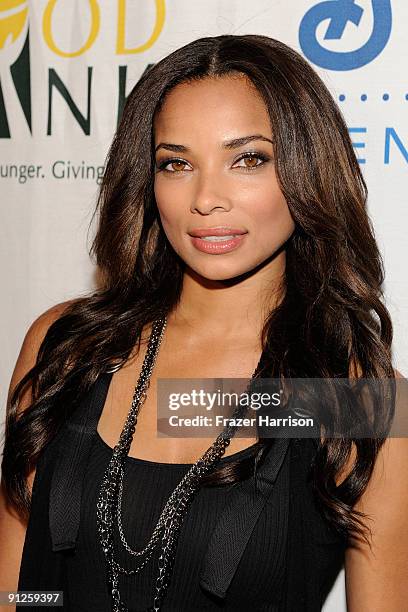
(240, 547)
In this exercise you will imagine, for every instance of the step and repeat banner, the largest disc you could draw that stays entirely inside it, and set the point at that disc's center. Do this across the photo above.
(66, 67)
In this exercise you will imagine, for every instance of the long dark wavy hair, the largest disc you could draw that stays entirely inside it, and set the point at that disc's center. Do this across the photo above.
(332, 314)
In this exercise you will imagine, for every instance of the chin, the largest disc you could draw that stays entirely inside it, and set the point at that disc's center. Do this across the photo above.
(214, 272)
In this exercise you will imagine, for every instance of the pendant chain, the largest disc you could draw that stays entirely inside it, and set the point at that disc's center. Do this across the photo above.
(109, 504)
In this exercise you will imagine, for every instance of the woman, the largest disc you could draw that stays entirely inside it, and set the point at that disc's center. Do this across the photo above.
(227, 136)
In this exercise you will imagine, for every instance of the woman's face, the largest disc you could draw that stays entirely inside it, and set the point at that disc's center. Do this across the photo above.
(215, 172)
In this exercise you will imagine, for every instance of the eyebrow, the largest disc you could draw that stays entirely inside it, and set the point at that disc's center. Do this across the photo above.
(228, 144)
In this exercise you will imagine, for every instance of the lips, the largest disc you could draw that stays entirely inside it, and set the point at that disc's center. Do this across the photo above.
(218, 245)
(216, 231)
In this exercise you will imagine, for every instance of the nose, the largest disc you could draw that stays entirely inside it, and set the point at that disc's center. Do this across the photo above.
(211, 194)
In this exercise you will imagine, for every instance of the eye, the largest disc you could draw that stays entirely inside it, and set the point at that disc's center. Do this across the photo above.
(174, 162)
(178, 165)
(255, 156)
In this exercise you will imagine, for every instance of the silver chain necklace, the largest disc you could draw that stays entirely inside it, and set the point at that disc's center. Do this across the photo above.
(109, 504)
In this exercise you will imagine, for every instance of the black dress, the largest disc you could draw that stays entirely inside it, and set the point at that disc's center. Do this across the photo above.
(237, 549)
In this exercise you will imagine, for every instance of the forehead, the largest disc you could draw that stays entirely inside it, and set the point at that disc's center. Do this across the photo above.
(228, 105)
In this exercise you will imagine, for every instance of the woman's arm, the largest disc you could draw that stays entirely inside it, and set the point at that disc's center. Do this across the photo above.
(377, 579)
(12, 526)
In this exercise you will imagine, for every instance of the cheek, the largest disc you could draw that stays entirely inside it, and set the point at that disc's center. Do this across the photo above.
(270, 216)
(166, 206)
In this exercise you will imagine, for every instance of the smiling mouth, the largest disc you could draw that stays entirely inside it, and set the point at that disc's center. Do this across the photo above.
(217, 245)
(217, 232)
(219, 238)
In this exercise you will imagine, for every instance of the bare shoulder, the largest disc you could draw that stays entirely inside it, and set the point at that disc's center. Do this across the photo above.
(12, 525)
(27, 358)
(378, 573)
(30, 347)
(39, 327)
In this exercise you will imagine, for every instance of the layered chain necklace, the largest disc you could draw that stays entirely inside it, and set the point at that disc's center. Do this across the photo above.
(166, 531)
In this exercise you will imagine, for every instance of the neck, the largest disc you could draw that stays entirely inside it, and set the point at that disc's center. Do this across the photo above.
(231, 308)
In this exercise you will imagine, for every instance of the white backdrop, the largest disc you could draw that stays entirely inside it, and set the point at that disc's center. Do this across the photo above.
(65, 65)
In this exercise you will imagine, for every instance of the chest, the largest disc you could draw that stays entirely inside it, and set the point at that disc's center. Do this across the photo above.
(190, 362)
(145, 492)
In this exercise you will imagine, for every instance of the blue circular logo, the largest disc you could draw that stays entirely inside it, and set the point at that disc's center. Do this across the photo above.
(339, 13)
